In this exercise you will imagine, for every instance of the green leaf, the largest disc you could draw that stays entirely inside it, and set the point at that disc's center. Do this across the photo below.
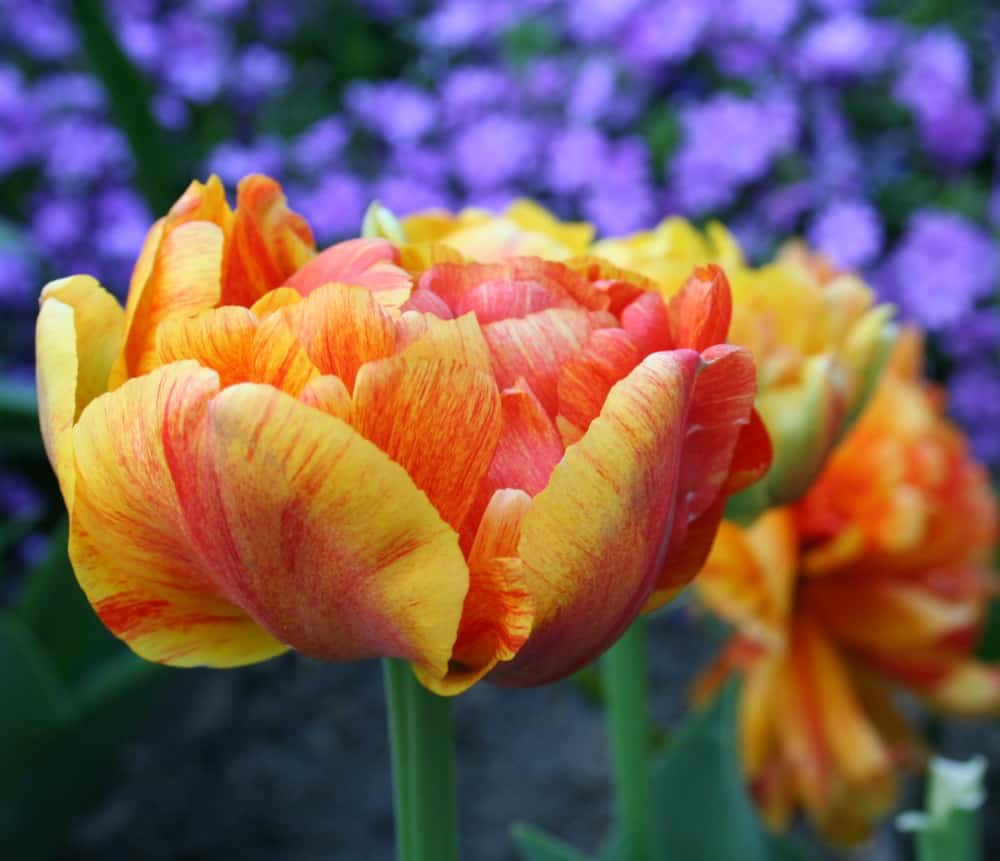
(59, 615)
(704, 809)
(533, 844)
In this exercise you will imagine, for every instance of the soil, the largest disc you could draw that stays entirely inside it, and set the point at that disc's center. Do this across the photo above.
(288, 761)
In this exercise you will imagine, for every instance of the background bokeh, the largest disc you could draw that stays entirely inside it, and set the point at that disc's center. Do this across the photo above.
(871, 128)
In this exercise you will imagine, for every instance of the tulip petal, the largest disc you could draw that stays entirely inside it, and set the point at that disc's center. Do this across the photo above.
(267, 243)
(279, 359)
(342, 328)
(98, 322)
(703, 309)
(424, 336)
(369, 263)
(329, 394)
(648, 322)
(130, 543)
(221, 339)
(720, 408)
(183, 280)
(274, 300)
(589, 575)
(586, 379)
(428, 303)
(498, 610)
(516, 283)
(535, 348)
(339, 554)
(55, 375)
(439, 420)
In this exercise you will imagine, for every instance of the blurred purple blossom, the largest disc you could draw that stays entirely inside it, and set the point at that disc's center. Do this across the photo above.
(849, 232)
(943, 265)
(844, 46)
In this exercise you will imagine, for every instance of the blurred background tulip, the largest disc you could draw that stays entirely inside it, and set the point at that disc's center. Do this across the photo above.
(878, 578)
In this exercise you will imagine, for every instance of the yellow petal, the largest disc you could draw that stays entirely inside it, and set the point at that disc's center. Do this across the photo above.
(595, 537)
(131, 543)
(340, 555)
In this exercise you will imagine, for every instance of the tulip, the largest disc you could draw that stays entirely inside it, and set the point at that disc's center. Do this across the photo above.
(817, 336)
(487, 470)
(877, 579)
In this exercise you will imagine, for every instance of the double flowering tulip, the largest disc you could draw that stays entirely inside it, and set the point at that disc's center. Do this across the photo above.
(876, 579)
(480, 468)
(816, 334)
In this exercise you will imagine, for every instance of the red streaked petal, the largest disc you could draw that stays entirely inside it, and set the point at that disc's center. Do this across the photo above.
(720, 408)
(130, 542)
(589, 575)
(323, 539)
(439, 420)
(329, 394)
(648, 322)
(266, 244)
(586, 379)
(498, 610)
(220, 339)
(424, 336)
(536, 347)
(342, 328)
(369, 263)
(703, 309)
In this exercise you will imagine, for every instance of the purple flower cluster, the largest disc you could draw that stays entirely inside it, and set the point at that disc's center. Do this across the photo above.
(815, 117)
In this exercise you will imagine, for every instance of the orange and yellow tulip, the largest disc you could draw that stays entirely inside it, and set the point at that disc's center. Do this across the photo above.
(487, 469)
(877, 579)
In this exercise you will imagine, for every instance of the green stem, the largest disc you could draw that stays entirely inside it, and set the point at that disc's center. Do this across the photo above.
(626, 686)
(423, 768)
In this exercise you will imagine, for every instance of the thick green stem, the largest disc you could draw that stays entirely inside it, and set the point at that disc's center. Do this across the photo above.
(423, 768)
(626, 687)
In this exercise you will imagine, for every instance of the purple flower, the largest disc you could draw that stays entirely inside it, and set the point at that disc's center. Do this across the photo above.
(470, 91)
(975, 402)
(577, 157)
(665, 32)
(261, 71)
(595, 20)
(59, 222)
(618, 209)
(39, 30)
(849, 232)
(124, 219)
(320, 145)
(728, 142)
(334, 207)
(766, 20)
(80, 150)
(404, 194)
(461, 23)
(785, 205)
(233, 161)
(974, 335)
(396, 111)
(196, 59)
(592, 96)
(68, 91)
(495, 150)
(936, 72)
(943, 265)
(842, 47)
(18, 277)
(956, 134)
